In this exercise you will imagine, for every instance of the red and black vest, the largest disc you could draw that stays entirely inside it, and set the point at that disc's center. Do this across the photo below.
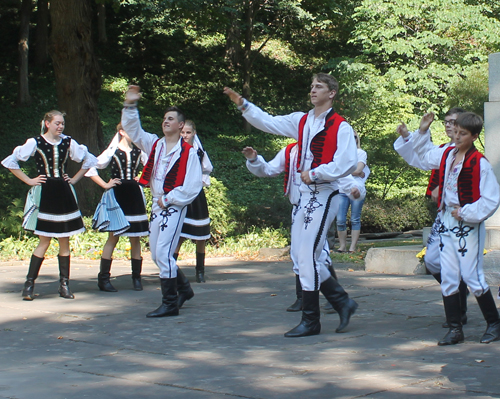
(468, 179)
(176, 174)
(288, 150)
(324, 144)
(433, 180)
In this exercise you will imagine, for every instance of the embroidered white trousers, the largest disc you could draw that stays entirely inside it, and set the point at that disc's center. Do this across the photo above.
(432, 251)
(165, 229)
(311, 220)
(461, 255)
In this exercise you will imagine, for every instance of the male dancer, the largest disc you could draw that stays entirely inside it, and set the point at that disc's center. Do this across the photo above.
(173, 173)
(326, 152)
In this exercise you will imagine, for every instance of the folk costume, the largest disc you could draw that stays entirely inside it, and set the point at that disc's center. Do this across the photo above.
(54, 210)
(176, 178)
(405, 148)
(197, 222)
(326, 148)
(126, 200)
(285, 161)
(472, 188)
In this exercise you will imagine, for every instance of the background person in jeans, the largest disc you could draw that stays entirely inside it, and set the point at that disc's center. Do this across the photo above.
(360, 174)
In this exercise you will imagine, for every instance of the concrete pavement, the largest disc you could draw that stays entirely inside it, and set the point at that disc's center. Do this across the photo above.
(228, 340)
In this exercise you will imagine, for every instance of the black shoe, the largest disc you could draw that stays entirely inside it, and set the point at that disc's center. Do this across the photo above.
(64, 290)
(336, 295)
(136, 274)
(453, 336)
(452, 309)
(310, 324)
(200, 267)
(297, 305)
(28, 290)
(183, 288)
(490, 313)
(168, 306)
(345, 313)
(104, 275)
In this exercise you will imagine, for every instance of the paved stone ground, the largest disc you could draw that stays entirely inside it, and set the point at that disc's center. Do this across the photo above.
(228, 341)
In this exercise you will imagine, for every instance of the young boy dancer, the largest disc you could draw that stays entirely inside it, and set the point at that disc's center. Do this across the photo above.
(173, 173)
(326, 152)
(468, 194)
(404, 147)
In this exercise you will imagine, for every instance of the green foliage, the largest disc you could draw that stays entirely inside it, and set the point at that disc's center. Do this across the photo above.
(470, 91)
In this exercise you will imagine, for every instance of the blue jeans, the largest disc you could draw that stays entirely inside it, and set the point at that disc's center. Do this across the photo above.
(356, 207)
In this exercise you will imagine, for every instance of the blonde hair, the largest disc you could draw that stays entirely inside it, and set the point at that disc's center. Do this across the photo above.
(190, 123)
(48, 118)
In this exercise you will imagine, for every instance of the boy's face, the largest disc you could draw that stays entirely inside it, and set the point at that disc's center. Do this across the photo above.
(464, 138)
(188, 134)
(449, 125)
(320, 93)
(171, 124)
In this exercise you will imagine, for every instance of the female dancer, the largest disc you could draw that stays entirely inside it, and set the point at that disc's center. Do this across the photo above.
(54, 212)
(197, 222)
(125, 159)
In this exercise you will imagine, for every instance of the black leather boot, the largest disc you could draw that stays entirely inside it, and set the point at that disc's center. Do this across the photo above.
(455, 334)
(183, 288)
(103, 277)
(490, 313)
(309, 325)
(200, 267)
(29, 285)
(332, 272)
(340, 301)
(328, 308)
(297, 305)
(168, 305)
(464, 293)
(64, 290)
(136, 274)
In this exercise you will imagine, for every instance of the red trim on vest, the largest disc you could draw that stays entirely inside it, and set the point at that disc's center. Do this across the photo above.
(176, 174)
(288, 150)
(324, 144)
(433, 179)
(469, 178)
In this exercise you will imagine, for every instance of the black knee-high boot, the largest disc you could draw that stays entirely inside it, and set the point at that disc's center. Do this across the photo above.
(455, 334)
(136, 274)
(340, 301)
(200, 267)
(168, 305)
(103, 277)
(490, 313)
(183, 288)
(297, 305)
(64, 277)
(328, 308)
(310, 324)
(29, 285)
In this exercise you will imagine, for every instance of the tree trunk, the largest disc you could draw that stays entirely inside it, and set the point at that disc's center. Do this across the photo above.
(42, 33)
(78, 83)
(101, 22)
(23, 94)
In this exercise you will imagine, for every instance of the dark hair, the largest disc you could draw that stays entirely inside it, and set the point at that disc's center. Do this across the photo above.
(330, 81)
(48, 117)
(471, 122)
(455, 110)
(180, 114)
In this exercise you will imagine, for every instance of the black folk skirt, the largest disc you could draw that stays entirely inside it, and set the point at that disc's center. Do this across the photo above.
(59, 215)
(130, 197)
(197, 222)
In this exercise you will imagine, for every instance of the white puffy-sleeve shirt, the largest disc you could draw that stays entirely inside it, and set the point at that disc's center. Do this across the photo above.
(77, 152)
(345, 158)
(163, 162)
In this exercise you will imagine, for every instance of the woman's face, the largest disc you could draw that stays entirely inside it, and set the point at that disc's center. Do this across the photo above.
(55, 126)
(188, 134)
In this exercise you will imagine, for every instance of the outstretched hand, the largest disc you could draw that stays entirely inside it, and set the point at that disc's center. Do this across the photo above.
(402, 130)
(426, 121)
(235, 97)
(249, 153)
(133, 94)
